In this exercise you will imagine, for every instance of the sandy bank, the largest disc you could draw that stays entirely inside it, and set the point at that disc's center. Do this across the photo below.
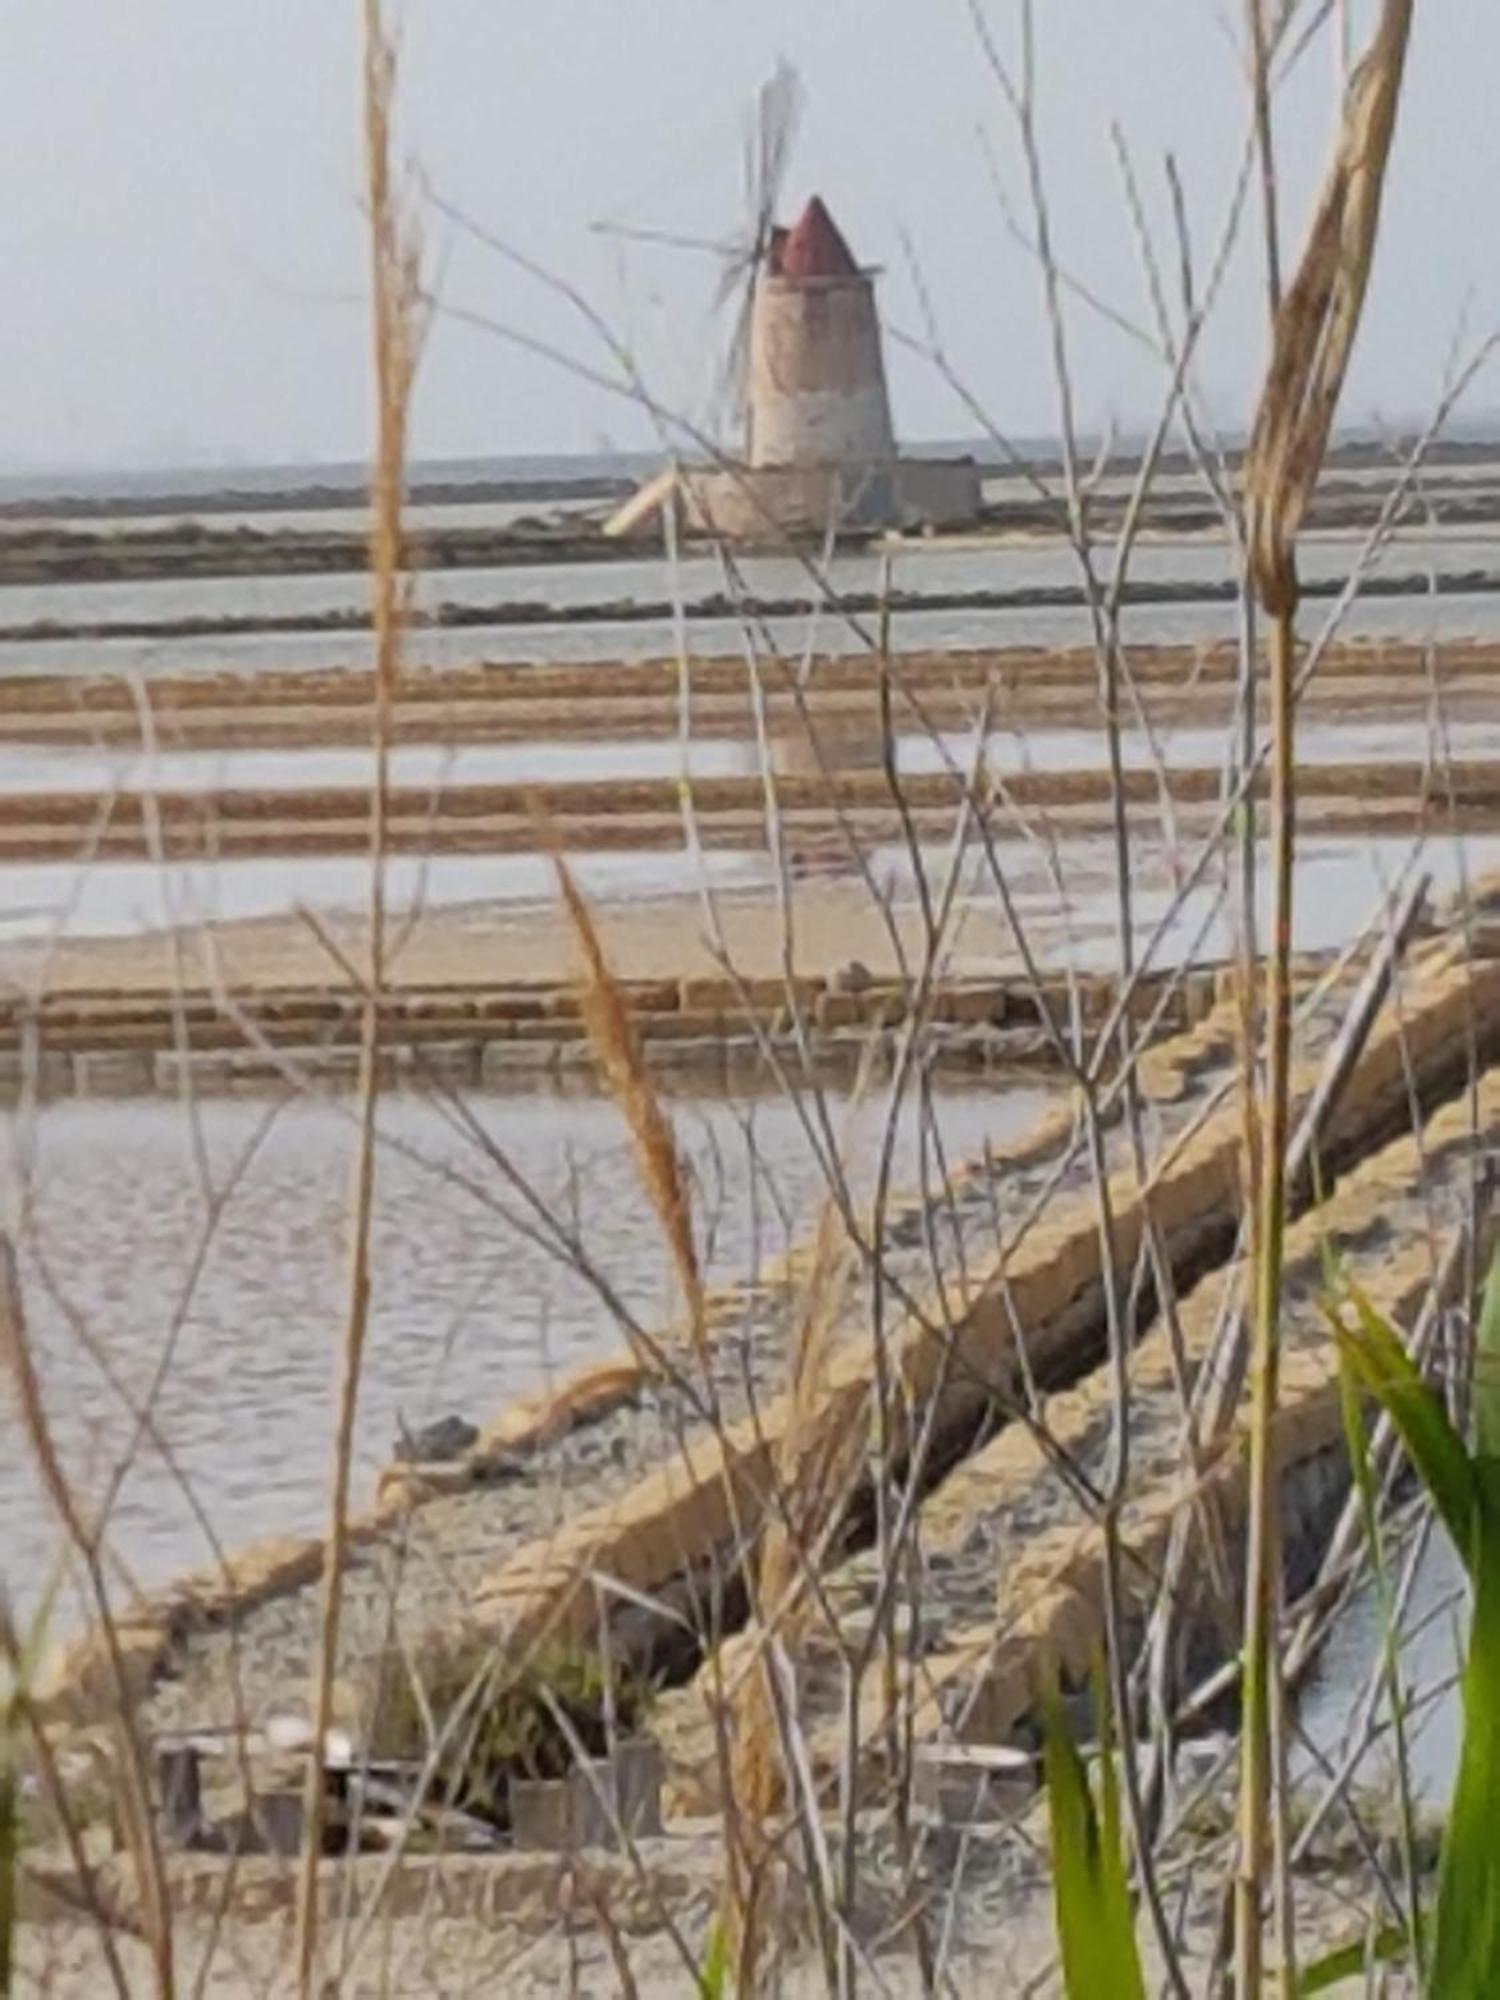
(511, 700)
(663, 937)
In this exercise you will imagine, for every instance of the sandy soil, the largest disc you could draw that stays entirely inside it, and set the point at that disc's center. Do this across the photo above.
(490, 701)
(832, 920)
(987, 1894)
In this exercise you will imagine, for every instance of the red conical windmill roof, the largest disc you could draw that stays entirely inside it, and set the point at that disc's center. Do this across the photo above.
(814, 247)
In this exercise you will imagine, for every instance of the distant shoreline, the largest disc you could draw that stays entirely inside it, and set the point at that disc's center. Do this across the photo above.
(567, 476)
(314, 498)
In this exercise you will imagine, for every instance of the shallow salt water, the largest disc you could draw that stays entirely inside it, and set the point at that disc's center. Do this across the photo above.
(25, 769)
(1431, 1652)
(1340, 882)
(1417, 618)
(350, 520)
(1016, 563)
(1341, 886)
(114, 898)
(467, 1310)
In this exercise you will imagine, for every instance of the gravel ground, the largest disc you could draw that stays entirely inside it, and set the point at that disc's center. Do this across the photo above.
(451, 1544)
(986, 1892)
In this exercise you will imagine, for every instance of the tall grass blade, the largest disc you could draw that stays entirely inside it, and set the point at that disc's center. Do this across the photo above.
(1366, 1490)
(1466, 1492)
(1466, 1959)
(10, 1848)
(1486, 1386)
(1350, 1961)
(1095, 1924)
(713, 1978)
(1373, 1351)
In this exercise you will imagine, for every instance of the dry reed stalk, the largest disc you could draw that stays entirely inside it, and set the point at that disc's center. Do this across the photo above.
(18, 1715)
(812, 1468)
(617, 1051)
(136, 1813)
(1260, 37)
(1312, 339)
(395, 280)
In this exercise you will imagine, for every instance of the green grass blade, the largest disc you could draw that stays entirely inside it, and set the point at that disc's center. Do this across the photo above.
(10, 1844)
(1466, 1958)
(1111, 1831)
(1363, 1473)
(1095, 1924)
(33, 1647)
(1376, 1356)
(713, 1975)
(1351, 1961)
(1466, 1494)
(1487, 1367)
(1328, 1255)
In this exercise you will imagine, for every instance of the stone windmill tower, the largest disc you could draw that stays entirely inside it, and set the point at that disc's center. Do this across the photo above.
(819, 451)
(816, 391)
(805, 377)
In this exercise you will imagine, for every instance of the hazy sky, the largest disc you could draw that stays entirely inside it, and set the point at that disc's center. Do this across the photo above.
(183, 251)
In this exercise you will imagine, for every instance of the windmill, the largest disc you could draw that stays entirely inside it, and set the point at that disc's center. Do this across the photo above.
(770, 136)
(801, 377)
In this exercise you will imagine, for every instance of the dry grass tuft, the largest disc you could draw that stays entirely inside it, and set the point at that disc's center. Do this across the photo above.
(617, 1050)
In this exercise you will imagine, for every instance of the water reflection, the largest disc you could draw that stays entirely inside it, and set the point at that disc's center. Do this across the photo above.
(467, 1310)
(1336, 1706)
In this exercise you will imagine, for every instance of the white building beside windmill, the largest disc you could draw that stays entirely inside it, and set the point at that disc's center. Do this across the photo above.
(819, 453)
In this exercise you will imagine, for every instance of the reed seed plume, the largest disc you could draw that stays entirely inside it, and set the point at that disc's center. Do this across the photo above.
(1316, 323)
(617, 1051)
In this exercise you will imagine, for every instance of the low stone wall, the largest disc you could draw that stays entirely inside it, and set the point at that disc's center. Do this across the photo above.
(1050, 1597)
(1043, 1558)
(681, 1520)
(85, 705)
(520, 1036)
(640, 814)
(83, 1678)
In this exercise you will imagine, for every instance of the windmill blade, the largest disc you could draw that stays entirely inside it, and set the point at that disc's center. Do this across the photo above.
(732, 390)
(778, 117)
(768, 151)
(770, 135)
(719, 246)
(739, 261)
